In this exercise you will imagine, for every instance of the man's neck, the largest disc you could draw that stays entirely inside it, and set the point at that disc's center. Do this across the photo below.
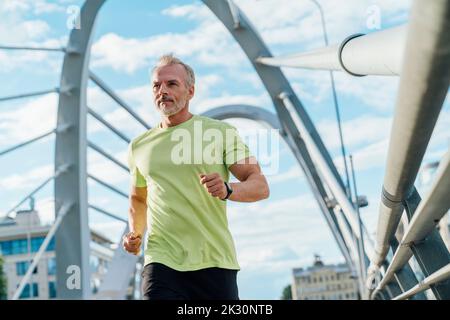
(175, 119)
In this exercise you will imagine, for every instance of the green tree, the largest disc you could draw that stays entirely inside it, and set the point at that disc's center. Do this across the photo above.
(287, 293)
(3, 292)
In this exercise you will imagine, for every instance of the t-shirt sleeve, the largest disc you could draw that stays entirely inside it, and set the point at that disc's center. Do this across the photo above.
(235, 149)
(137, 179)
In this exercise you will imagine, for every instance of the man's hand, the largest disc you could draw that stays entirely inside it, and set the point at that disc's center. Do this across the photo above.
(214, 185)
(132, 243)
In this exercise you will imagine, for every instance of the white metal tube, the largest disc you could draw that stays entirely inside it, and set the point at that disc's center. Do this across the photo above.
(423, 87)
(322, 59)
(430, 210)
(61, 214)
(325, 170)
(377, 53)
(438, 276)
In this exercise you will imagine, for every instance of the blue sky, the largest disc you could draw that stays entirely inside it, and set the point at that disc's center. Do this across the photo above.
(272, 236)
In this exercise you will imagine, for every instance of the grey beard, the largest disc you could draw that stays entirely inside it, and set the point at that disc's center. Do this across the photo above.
(171, 112)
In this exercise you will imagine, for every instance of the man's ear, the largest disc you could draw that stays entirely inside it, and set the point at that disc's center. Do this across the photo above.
(191, 91)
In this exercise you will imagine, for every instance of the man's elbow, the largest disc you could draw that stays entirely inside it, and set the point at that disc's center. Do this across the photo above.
(265, 192)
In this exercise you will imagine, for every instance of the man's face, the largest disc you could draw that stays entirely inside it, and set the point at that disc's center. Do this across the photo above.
(170, 91)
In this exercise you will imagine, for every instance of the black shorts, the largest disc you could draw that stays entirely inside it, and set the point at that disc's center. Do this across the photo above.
(160, 282)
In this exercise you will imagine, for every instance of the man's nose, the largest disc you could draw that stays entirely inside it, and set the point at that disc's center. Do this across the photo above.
(163, 89)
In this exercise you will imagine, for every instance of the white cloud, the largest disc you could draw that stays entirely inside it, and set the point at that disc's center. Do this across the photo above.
(46, 210)
(229, 99)
(207, 46)
(361, 130)
(105, 170)
(277, 235)
(293, 173)
(20, 124)
(112, 230)
(17, 29)
(36, 7)
(27, 180)
(197, 11)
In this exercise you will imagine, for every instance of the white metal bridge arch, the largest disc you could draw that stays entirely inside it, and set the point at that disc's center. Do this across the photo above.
(424, 70)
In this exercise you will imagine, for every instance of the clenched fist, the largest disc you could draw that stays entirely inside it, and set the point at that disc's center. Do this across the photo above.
(214, 185)
(132, 243)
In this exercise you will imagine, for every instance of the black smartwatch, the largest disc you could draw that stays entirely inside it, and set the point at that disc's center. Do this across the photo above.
(229, 190)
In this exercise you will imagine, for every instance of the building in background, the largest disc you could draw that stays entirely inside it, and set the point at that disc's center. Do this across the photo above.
(324, 282)
(21, 238)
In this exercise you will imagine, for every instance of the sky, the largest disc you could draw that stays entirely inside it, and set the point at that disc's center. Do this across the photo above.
(272, 236)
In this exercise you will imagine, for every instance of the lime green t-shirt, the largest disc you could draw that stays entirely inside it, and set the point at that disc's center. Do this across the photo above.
(187, 227)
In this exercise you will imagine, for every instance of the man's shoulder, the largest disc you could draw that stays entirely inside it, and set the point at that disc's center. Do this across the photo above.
(140, 137)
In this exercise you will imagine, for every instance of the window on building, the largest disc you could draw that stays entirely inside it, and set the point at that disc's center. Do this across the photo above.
(22, 268)
(20, 246)
(94, 263)
(51, 266)
(52, 289)
(6, 247)
(29, 292)
(37, 242)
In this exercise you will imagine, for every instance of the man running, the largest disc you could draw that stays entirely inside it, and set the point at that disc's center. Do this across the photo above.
(179, 175)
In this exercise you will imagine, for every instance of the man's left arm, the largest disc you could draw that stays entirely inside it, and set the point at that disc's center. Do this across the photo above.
(252, 185)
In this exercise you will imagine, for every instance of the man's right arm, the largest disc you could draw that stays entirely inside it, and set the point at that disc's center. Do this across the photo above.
(137, 220)
(137, 214)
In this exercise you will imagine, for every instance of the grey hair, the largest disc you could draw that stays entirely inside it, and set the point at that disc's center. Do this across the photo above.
(168, 60)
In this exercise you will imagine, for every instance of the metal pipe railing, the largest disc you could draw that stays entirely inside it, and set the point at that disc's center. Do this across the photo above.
(116, 98)
(349, 239)
(430, 211)
(107, 213)
(30, 94)
(436, 277)
(377, 53)
(107, 155)
(325, 171)
(362, 258)
(23, 144)
(423, 86)
(326, 209)
(59, 171)
(107, 185)
(59, 217)
(62, 49)
(108, 125)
